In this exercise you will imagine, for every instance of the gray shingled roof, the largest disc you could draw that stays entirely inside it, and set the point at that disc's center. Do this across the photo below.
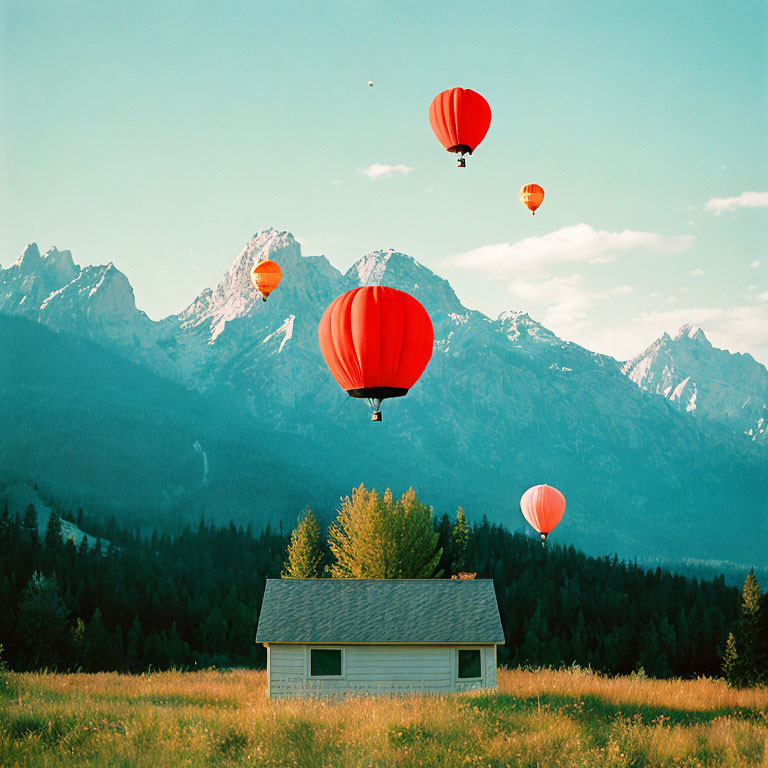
(379, 611)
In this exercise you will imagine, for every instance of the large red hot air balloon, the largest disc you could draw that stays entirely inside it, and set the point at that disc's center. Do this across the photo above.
(460, 119)
(376, 341)
(543, 508)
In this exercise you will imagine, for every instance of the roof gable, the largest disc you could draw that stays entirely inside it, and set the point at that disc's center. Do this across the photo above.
(379, 611)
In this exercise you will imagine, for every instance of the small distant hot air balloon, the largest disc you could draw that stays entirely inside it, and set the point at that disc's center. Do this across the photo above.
(376, 341)
(370, 83)
(266, 276)
(531, 196)
(543, 508)
(460, 119)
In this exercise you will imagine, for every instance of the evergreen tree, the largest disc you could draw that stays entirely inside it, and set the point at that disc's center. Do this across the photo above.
(43, 622)
(134, 648)
(305, 553)
(215, 632)
(179, 653)
(5, 529)
(743, 665)
(8, 624)
(97, 651)
(376, 537)
(444, 542)
(462, 534)
(732, 671)
(53, 533)
(77, 642)
(532, 650)
(29, 526)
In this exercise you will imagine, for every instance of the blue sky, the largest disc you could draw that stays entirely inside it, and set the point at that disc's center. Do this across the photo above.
(161, 136)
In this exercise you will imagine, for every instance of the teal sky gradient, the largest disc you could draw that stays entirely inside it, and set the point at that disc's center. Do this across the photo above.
(161, 136)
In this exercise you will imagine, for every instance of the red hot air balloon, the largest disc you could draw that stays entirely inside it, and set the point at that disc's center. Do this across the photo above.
(543, 508)
(460, 119)
(376, 341)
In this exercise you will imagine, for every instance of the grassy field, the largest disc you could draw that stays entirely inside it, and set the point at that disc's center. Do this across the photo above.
(537, 718)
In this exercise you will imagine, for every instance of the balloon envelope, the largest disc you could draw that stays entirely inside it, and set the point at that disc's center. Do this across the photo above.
(266, 276)
(460, 118)
(376, 341)
(543, 506)
(531, 196)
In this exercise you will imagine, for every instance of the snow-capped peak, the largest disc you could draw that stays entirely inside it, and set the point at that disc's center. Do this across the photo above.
(234, 296)
(697, 377)
(372, 267)
(689, 331)
(516, 323)
(263, 245)
(398, 270)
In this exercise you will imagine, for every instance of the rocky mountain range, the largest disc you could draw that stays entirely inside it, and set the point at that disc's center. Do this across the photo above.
(664, 455)
(701, 379)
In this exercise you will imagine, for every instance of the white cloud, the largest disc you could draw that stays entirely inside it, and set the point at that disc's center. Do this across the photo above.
(565, 302)
(697, 272)
(719, 205)
(737, 329)
(622, 290)
(336, 182)
(576, 244)
(384, 171)
(575, 312)
(755, 264)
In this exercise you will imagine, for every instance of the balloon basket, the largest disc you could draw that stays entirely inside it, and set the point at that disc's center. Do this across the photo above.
(376, 416)
(461, 162)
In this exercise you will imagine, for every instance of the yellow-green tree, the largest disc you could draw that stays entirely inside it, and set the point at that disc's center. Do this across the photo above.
(462, 534)
(378, 537)
(305, 552)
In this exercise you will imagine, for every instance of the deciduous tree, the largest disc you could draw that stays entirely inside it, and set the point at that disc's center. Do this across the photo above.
(376, 537)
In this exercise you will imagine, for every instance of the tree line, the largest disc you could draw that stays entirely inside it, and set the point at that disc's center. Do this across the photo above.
(193, 599)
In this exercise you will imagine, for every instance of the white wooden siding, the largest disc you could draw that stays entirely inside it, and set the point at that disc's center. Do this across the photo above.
(376, 669)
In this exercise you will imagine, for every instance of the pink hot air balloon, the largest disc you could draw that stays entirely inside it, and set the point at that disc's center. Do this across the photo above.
(543, 508)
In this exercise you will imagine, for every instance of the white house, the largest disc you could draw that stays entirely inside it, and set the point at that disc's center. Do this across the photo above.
(333, 636)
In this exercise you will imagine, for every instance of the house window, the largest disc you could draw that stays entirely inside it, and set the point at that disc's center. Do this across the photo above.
(325, 662)
(469, 664)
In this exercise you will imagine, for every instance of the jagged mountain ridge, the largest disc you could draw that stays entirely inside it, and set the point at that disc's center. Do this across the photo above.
(701, 379)
(503, 404)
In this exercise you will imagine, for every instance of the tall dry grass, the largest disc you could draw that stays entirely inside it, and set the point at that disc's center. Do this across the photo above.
(536, 718)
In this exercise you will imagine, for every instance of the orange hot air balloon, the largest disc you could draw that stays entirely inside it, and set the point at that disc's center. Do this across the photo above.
(460, 118)
(531, 196)
(543, 508)
(266, 276)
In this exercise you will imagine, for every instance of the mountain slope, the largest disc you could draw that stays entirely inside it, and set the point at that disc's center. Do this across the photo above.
(701, 379)
(503, 404)
(93, 429)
